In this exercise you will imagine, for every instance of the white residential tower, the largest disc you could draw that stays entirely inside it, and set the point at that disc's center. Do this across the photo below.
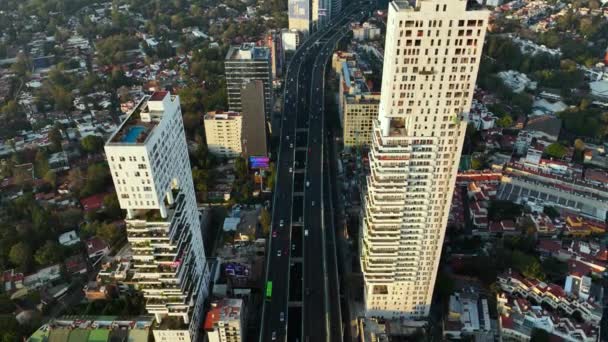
(148, 158)
(431, 60)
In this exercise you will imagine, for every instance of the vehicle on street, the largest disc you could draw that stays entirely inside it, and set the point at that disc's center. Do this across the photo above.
(290, 170)
(274, 335)
(279, 253)
(281, 223)
(282, 318)
(291, 145)
(274, 233)
(307, 184)
(313, 203)
(306, 232)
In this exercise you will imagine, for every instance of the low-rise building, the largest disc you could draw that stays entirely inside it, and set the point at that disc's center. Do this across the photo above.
(554, 296)
(468, 314)
(366, 31)
(95, 328)
(225, 321)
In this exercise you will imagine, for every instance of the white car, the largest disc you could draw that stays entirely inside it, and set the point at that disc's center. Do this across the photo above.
(282, 317)
(281, 223)
(290, 170)
(279, 253)
(313, 203)
(291, 145)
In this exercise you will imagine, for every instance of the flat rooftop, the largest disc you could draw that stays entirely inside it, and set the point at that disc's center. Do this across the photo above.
(221, 115)
(247, 51)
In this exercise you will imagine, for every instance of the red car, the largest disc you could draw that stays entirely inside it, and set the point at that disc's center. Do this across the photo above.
(274, 233)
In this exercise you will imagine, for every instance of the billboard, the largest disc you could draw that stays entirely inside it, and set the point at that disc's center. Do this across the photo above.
(259, 162)
(299, 9)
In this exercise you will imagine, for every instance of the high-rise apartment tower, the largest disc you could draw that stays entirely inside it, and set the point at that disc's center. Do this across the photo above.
(148, 158)
(431, 60)
(243, 64)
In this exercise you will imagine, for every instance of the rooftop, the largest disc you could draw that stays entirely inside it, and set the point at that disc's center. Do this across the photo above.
(248, 51)
(227, 309)
(142, 120)
(221, 115)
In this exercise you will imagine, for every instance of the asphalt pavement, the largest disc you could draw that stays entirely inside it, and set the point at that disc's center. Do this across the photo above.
(302, 116)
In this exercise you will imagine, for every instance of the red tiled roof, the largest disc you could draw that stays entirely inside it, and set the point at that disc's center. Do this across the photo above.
(507, 322)
(158, 95)
(94, 202)
(551, 246)
(95, 244)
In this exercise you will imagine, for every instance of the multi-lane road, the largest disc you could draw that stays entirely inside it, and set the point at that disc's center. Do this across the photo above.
(303, 304)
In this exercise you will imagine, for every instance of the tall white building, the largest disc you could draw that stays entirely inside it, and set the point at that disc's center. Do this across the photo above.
(148, 158)
(431, 59)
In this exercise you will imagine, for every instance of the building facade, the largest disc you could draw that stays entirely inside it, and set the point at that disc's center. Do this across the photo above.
(243, 64)
(223, 131)
(148, 159)
(360, 111)
(254, 136)
(225, 321)
(300, 15)
(431, 60)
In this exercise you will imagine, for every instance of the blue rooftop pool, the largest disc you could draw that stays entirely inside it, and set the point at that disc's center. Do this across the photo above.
(133, 133)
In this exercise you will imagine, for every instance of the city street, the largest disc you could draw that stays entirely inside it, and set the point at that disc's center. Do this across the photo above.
(298, 203)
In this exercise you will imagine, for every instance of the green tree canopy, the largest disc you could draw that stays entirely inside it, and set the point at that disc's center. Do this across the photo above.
(265, 221)
(49, 254)
(556, 150)
(21, 255)
(92, 144)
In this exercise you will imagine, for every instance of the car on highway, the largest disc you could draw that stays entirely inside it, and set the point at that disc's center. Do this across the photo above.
(282, 318)
(307, 184)
(281, 223)
(313, 203)
(290, 170)
(274, 233)
(279, 253)
(274, 335)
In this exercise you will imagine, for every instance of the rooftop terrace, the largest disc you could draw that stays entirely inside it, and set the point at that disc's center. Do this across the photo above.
(142, 120)
(247, 51)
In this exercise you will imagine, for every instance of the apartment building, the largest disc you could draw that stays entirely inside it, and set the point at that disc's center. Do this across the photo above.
(223, 131)
(432, 55)
(148, 159)
(300, 15)
(243, 64)
(225, 321)
(360, 111)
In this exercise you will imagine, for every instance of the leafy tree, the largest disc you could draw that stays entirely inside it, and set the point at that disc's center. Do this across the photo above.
(6, 304)
(551, 212)
(49, 254)
(51, 178)
(505, 121)
(112, 206)
(98, 177)
(556, 150)
(76, 179)
(504, 210)
(92, 144)
(540, 335)
(55, 138)
(240, 167)
(265, 221)
(21, 255)
(41, 163)
(110, 233)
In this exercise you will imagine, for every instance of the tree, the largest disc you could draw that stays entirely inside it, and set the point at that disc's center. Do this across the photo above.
(505, 121)
(92, 144)
(49, 254)
(265, 221)
(111, 206)
(556, 150)
(240, 167)
(41, 163)
(98, 176)
(551, 212)
(21, 255)
(110, 233)
(55, 138)
(539, 335)
(75, 179)
(51, 178)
